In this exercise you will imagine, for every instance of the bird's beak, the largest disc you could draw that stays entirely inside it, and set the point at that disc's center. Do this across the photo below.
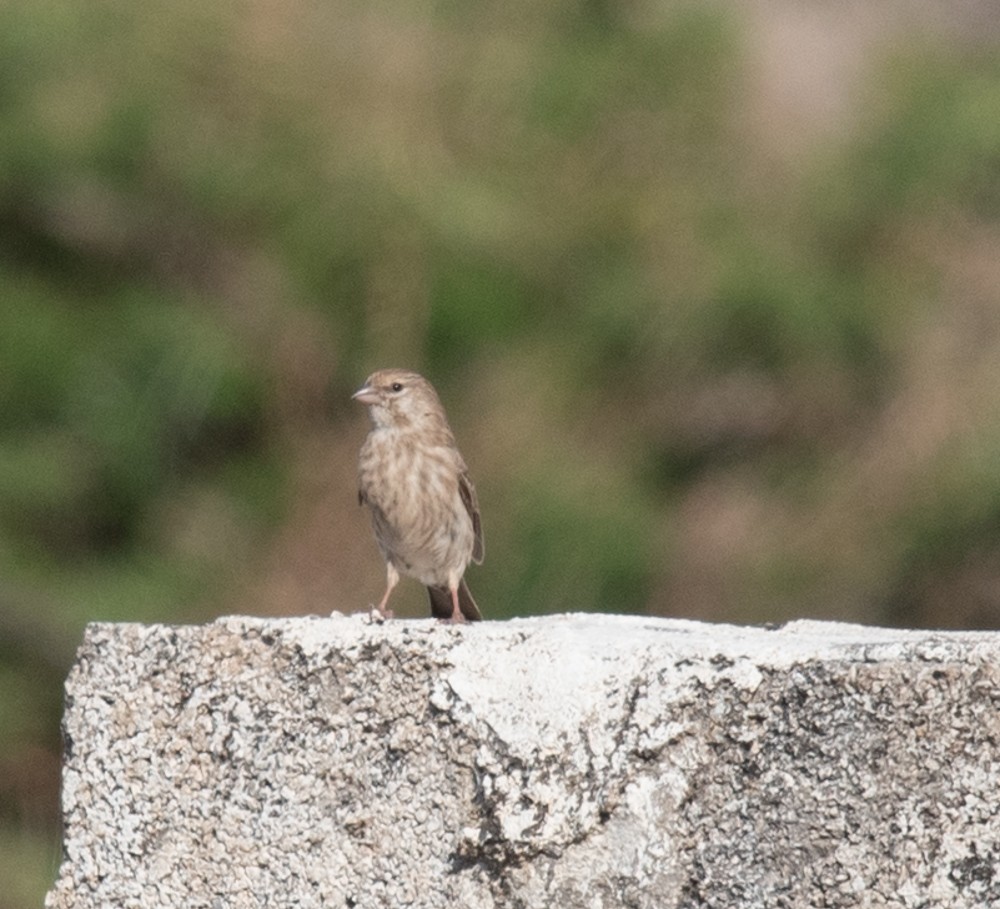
(366, 395)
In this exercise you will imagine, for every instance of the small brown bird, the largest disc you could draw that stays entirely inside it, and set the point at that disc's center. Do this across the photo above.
(412, 477)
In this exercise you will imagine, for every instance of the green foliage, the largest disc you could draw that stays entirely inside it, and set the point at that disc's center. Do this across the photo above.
(958, 511)
(106, 405)
(583, 539)
(27, 865)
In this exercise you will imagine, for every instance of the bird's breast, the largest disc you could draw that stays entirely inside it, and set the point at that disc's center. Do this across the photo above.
(421, 522)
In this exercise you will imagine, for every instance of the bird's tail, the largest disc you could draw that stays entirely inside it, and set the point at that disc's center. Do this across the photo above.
(441, 602)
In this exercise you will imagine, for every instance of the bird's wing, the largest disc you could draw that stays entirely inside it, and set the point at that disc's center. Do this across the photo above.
(468, 494)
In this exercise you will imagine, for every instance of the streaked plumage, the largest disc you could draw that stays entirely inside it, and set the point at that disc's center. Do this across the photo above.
(423, 504)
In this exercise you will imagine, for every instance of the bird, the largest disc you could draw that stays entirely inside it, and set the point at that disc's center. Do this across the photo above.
(423, 504)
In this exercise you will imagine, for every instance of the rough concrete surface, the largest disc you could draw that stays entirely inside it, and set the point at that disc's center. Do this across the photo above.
(568, 761)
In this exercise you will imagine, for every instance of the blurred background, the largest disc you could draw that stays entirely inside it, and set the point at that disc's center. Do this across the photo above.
(711, 292)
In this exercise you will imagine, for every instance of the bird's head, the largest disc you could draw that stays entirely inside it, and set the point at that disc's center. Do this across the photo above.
(399, 399)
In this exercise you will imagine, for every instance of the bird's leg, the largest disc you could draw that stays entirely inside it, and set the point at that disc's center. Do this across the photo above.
(456, 610)
(391, 580)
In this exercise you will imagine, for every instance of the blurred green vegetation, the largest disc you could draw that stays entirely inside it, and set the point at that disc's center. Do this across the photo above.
(693, 373)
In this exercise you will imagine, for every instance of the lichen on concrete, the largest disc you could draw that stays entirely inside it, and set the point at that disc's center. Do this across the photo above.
(570, 761)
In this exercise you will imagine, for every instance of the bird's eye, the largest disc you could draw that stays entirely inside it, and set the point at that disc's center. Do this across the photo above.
(397, 386)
